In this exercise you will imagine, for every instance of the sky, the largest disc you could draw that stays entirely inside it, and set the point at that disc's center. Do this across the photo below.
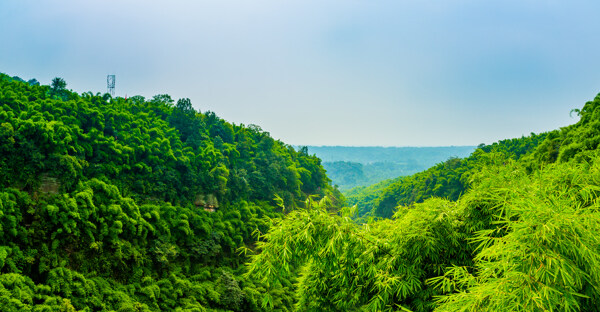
(352, 72)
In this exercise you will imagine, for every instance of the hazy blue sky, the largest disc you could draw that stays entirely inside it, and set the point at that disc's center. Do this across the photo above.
(369, 72)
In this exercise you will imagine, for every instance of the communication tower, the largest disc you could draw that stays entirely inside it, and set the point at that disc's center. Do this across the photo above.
(110, 84)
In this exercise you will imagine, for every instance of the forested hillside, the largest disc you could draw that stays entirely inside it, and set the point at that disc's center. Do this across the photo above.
(516, 230)
(348, 175)
(114, 204)
(363, 197)
(448, 179)
(129, 204)
(452, 178)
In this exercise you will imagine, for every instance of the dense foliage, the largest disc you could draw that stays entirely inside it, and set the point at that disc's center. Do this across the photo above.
(363, 197)
(448, 179)
(522, 237)
(114, 204)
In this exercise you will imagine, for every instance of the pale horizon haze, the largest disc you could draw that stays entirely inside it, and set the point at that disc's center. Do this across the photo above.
(346, 73)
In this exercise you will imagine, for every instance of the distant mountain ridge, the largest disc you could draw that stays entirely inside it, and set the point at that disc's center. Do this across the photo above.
(372, 154)
(353, 166)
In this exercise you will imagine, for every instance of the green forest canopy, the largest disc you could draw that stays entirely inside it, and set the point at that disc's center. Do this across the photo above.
(513, 227)
(120, 204)
(448, 179)
(112, 204)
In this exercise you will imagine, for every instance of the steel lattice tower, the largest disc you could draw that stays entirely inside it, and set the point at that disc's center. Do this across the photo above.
(110, 84)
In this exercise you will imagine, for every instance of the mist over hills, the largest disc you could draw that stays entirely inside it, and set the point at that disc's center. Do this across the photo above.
(372, 154)
(352, 166)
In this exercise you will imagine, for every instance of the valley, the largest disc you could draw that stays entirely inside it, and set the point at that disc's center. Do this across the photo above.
(134, 204)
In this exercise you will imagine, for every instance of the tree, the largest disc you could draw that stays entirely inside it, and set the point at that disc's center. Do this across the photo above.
(17, 78)
(185, 106)
(58, 88)
(183, 118)
(58, 85)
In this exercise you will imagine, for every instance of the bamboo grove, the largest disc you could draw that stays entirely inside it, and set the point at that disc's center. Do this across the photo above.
(114, 204)
(513, 227)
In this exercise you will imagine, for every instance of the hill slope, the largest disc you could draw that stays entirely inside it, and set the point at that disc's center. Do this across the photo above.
(133, 204)
(448, 179)
(520, 236)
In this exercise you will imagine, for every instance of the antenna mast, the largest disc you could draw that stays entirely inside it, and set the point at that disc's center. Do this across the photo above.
(110, 84)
